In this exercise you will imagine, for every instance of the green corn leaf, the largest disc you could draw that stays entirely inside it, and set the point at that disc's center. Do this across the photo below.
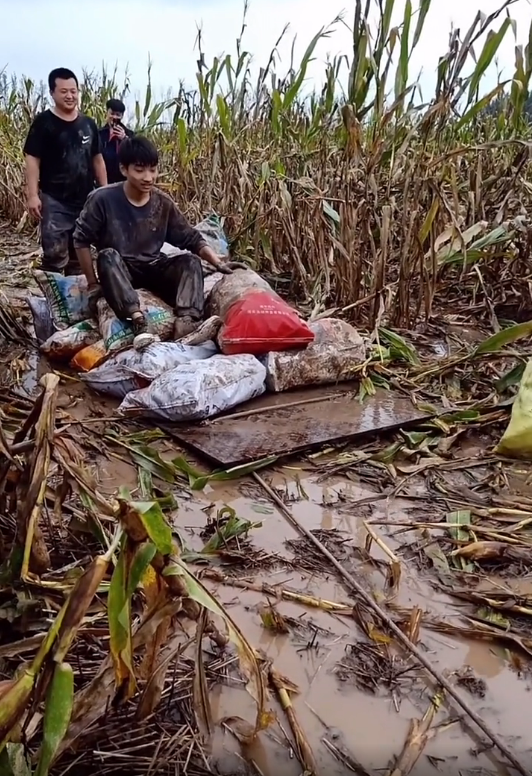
(424, 7)
(502, 338)
(400, 346)
(197, 480)
(512, 377)
(480, 106)
(57, 712)
(460, 534)
(153, 520)
(295, 88)
(401, 78)
(489, 51)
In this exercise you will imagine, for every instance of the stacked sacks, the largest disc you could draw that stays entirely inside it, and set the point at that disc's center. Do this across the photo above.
(133, 369)
(65, 304)
(265, 345)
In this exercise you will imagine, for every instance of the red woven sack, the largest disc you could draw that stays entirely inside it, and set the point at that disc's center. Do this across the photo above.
(261, 323)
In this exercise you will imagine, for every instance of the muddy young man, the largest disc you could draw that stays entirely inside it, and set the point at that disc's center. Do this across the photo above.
(128, 223)
(111, 135)
(63, 159)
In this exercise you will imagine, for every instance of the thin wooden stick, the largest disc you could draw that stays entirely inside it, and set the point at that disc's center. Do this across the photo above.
(304, 750)
(277, 592)
(397, 632)
(271, 407)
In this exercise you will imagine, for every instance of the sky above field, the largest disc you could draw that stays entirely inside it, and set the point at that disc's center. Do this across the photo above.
(36, 36)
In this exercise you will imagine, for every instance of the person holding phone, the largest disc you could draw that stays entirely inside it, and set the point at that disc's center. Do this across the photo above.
(111, 135)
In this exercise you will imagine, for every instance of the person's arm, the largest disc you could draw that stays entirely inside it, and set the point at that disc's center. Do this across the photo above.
(87, 267)
(98, 163)
(182, 235)
(33, 168)
(100, 170)
(33, 148)
(87, 231)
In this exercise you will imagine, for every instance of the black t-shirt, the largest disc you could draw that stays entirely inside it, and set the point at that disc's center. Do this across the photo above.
(66, 150)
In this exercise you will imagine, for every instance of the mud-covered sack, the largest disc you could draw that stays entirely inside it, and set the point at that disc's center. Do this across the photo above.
(198, 390)
(211, 230)
(231, 289)
(332, 357)
(65, 344)
(112, 379)
(516, 441)
(153, 361)
(132, 369)
(67, 296)
(43, 324)
(118, 334)
(209, 281)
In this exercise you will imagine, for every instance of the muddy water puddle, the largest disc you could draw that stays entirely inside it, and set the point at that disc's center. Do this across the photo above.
(330, 705)
(315, 653)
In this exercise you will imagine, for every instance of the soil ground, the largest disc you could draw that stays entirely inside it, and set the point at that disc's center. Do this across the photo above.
(357, 695)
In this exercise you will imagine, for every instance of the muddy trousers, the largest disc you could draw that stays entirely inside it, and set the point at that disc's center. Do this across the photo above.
(177, 280)
(57, 226)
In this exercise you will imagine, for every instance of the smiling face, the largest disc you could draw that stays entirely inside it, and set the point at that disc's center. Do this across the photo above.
(114, 116)
(65, 94)
(140, 177)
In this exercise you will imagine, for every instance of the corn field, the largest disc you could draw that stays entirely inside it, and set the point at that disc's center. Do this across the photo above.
(357, 197)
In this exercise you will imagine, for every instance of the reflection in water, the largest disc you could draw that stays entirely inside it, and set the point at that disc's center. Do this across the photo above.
(483, 660)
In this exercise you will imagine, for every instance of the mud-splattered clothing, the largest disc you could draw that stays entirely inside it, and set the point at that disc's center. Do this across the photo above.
(129, 241)
(109, 220)
(57, 225)
(66, 150)
(177, 280)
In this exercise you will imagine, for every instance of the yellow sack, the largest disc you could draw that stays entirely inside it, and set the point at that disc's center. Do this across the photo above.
(516, 441)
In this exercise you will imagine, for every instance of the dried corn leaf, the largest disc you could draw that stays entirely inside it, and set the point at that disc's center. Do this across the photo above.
(248, 658)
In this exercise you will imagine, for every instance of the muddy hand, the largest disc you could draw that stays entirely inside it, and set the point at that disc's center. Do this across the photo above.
(95, 293)
(228, 266)
(35, 207)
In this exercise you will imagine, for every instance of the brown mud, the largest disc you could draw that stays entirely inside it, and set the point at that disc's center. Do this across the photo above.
(333, 708)
(316, 656)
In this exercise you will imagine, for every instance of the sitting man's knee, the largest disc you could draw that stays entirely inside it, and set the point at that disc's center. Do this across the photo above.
(108, 257)
(191, 262)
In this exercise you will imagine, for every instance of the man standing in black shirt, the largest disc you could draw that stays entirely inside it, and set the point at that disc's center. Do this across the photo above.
(111, 135)
(63, 157)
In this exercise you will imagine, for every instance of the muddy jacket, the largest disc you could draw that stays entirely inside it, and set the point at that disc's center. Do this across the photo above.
(109, 220)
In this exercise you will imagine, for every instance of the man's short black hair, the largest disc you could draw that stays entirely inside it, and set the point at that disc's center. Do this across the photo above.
(117, 106)
(61, 72)
(138, 150)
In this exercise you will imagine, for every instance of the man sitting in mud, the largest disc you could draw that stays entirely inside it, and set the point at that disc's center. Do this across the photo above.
(128, 223)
